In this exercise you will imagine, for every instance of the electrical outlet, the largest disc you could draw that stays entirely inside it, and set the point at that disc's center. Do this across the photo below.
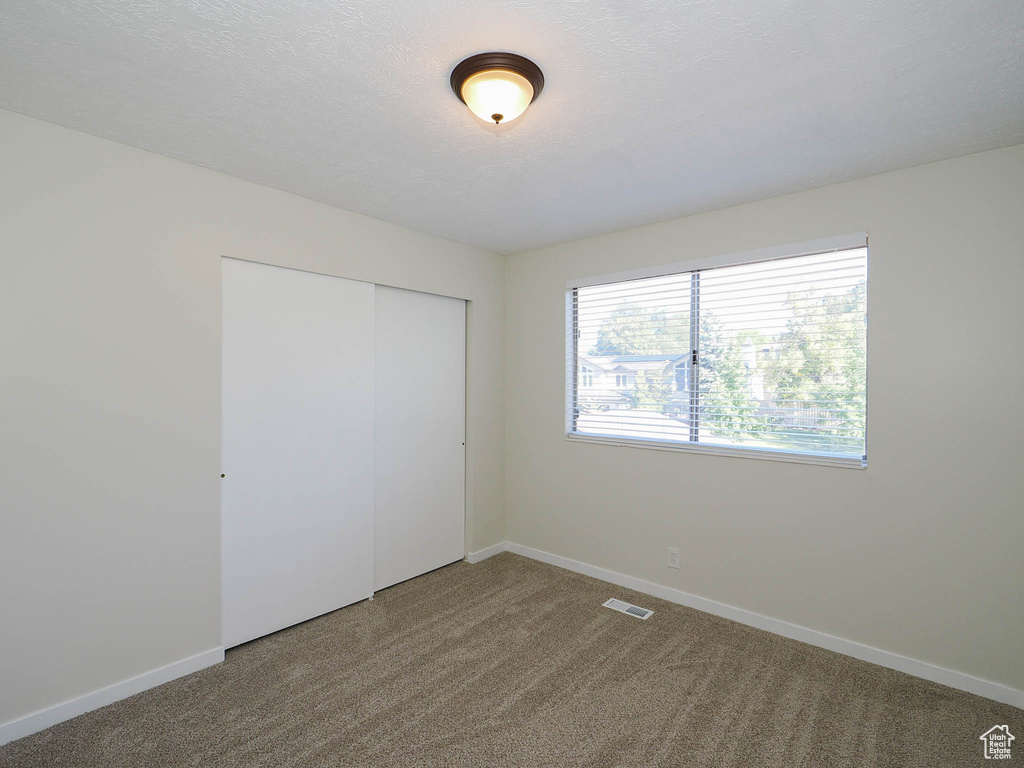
(673, 557)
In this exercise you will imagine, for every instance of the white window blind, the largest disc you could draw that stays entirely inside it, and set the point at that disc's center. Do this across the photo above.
(763, 358)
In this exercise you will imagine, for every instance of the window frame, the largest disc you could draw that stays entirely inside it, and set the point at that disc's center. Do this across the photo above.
(792, 250)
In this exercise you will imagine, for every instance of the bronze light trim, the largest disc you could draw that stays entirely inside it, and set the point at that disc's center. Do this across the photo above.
(497, 60)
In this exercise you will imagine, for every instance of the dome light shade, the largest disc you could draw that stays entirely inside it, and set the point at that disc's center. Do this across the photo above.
(497, 95)
(497, 87)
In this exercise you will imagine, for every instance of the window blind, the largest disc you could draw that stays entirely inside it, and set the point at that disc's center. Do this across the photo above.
(752, 358)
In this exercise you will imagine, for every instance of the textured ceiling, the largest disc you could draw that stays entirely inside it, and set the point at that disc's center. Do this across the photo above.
(651, 110)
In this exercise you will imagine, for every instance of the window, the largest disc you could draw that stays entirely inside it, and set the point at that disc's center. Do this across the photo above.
(758, 357)
(586, 376)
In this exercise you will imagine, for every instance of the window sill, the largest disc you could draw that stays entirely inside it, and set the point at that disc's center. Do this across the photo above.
(760, 454)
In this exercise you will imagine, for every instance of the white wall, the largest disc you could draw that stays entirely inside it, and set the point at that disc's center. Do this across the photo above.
(918, 555)
(110, 393)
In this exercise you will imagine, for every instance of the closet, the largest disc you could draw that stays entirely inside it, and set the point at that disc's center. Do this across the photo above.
(343, 442)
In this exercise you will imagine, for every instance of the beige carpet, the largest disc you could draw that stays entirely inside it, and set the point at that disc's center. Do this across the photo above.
(515, 663)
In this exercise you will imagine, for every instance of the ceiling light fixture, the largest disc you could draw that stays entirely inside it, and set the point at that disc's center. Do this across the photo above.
(497, 87)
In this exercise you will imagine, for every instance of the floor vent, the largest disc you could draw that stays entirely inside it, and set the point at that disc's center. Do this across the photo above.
(624, 607)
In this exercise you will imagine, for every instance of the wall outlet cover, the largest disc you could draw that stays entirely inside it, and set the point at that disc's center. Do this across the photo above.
(673, 557)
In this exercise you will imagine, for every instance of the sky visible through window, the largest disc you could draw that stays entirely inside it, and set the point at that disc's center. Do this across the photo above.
(672, 292)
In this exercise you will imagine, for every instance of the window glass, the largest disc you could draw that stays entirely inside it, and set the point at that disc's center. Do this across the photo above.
(767, 356)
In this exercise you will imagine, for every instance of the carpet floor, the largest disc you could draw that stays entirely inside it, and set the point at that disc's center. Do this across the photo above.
(515, 663)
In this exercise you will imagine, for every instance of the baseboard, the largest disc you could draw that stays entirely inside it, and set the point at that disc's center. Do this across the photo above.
(483, 554)
(44, 718)
(958, 680)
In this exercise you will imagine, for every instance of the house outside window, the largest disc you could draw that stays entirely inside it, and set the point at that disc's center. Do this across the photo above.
(764, 357)
(682, 377)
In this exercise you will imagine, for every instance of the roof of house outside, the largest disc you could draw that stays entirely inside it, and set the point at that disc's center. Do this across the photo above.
(646, 358)
(631, 362)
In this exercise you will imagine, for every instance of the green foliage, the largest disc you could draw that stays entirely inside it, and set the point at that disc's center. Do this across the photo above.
(821, 360)
(726, 392)
(651, 392)
(634, 330)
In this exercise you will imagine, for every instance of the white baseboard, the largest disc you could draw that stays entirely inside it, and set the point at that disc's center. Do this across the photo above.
(483, 554)
(44, 718)
(958, 680)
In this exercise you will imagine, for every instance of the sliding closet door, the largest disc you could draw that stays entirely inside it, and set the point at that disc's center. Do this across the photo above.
(420, 517)
(297, 430)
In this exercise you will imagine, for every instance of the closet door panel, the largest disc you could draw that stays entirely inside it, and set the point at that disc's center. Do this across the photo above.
(420, 433)
(297, 446)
